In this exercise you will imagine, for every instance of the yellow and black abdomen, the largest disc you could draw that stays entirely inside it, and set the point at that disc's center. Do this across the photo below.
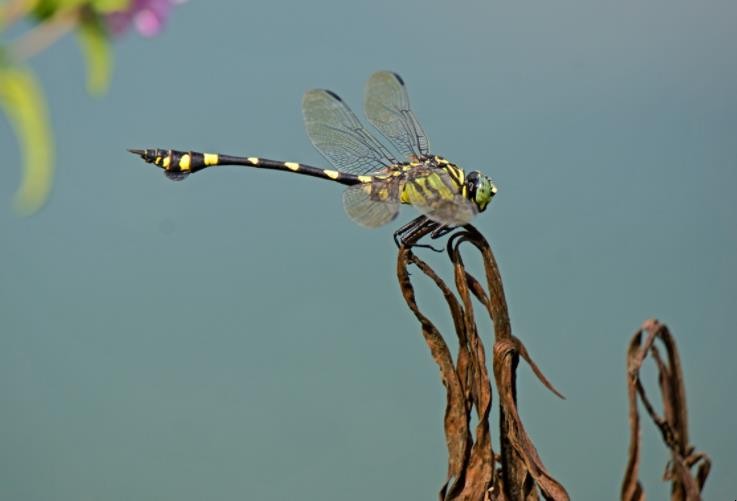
(179, 164)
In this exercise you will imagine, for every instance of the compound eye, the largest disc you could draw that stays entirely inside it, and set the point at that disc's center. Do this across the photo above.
(472, 181)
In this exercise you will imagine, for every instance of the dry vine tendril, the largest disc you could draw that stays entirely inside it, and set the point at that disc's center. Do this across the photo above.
(673, 425)
(474, 470)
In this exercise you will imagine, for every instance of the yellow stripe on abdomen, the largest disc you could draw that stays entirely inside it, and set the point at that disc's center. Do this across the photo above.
(210, 159)
(185, 163)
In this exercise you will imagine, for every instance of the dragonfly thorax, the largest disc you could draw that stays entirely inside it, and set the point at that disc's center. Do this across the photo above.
(442, 190)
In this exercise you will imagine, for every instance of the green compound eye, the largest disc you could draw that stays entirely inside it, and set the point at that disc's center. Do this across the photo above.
(481, 189)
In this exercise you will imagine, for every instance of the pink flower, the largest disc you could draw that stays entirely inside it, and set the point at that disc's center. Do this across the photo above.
(148, 16)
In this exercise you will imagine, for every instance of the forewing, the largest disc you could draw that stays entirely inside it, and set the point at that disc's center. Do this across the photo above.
(387, 108)
(372, 204)
(437, 195)
(336, 133)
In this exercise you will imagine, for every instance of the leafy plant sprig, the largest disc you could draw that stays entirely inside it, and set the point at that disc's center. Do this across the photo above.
(96, 23)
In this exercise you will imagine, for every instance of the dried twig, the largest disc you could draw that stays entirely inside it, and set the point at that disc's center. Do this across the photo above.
(471, 470)
(45, 34)
(673, 424)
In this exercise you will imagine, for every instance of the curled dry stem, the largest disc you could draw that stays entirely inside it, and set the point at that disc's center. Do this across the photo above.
(472, 474)
(673, 424)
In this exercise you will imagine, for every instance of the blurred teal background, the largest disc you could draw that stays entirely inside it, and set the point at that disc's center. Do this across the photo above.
(235, 336)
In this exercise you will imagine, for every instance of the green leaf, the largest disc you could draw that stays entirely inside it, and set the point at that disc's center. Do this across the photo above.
(96, 49)
(69, 4)
(43, 10)
(107, 6)
(22, 100)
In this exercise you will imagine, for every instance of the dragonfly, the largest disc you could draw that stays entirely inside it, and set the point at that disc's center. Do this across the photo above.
(378, 180)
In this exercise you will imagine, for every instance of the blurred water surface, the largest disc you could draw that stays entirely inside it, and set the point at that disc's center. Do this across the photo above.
(236, 336)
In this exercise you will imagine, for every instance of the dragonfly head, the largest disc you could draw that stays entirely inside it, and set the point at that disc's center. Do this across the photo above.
(481, 189)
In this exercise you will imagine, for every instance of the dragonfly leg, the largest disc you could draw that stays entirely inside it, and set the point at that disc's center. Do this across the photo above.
(441, 231)
(400, 236)
(409, 234)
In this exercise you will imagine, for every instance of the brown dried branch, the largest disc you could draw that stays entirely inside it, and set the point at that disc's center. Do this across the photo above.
(673, 425)
(471, 470)
(456, 420)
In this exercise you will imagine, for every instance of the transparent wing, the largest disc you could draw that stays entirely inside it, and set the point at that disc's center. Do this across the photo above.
(387, 108)
(372, 204)
(336, 133)
(437, 195)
